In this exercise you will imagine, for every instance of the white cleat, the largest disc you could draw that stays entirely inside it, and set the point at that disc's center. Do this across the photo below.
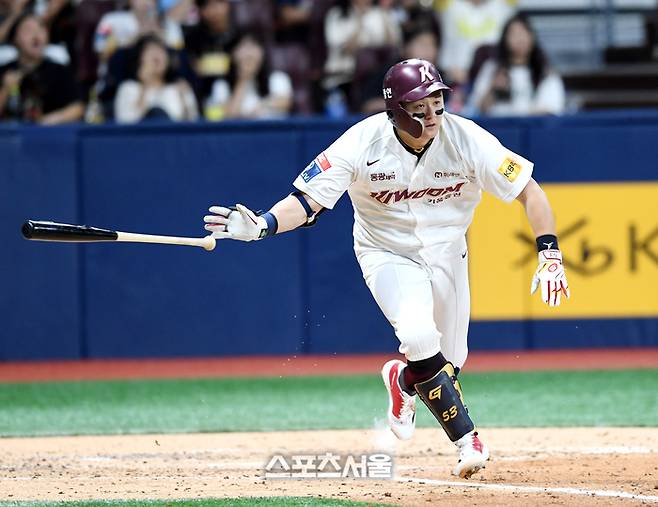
(401, 406)
(473, 455)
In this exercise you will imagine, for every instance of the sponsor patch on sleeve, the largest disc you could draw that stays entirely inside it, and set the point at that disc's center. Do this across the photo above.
(320, 164)
(510, 169)
(323, 161)
(311, 171)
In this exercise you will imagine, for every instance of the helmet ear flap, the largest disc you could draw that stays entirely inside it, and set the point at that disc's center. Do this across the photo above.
(402, 120)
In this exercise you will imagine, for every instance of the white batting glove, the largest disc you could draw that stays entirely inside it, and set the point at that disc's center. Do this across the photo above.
(242, 224)
(551, 276)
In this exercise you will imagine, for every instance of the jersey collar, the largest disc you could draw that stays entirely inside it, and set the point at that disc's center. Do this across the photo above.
(416, 152)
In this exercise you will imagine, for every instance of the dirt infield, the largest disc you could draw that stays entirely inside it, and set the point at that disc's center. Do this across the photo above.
(574, 467)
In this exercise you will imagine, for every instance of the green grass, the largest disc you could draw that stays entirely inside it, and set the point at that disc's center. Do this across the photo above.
(581, 398)
(286, 501)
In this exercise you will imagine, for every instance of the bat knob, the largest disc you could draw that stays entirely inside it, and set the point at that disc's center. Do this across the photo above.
(209, 243)
(27, 229)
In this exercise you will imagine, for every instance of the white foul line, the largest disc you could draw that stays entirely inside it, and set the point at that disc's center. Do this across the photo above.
(531, 489)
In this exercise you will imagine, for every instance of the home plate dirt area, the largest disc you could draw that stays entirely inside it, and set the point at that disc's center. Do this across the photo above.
(545, 466)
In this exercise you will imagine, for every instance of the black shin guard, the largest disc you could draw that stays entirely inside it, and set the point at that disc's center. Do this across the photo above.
(420, 371)
(444, 400)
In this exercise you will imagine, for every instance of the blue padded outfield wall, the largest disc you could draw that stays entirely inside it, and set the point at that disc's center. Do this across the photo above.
(302, 292)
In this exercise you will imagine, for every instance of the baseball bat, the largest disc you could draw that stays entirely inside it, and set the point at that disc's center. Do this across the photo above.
(53, 231)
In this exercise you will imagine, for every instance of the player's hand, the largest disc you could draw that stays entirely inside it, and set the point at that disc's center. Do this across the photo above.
(240, 223)
(551, 276)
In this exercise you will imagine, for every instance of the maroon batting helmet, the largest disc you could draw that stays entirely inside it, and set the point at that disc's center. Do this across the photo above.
(408, 81)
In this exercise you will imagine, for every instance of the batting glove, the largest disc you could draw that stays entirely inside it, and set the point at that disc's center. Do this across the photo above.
(240, 223)
(551, 276)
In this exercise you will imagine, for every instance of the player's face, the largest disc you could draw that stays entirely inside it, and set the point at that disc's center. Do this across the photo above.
(430, 112)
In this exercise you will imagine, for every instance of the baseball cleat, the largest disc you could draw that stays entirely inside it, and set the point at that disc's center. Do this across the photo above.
(472, 455)
(401, 406)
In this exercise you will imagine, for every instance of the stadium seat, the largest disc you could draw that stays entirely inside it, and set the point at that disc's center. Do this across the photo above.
(255, 15)
(481, 55)
(368, 60)
(87, 15)
(294, 60)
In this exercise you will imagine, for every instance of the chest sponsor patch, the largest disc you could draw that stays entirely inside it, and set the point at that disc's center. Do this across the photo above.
(446, 174)
(436, 194)
(382, 176)
(510, 169)
(320, 164)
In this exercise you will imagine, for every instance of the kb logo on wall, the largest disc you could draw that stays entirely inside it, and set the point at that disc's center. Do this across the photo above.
(593, 256)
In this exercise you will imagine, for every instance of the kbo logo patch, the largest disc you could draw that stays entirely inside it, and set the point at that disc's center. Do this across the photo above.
(510, 169)
(320, 164)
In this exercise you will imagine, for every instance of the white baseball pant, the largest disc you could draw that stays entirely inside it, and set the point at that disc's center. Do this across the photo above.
(428, 306)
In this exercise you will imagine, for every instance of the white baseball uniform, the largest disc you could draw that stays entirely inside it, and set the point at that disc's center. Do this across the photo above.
(410, 220)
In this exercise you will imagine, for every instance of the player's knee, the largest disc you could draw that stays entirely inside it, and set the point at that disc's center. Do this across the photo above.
(417, 341)
(459, 359)
(422, 370)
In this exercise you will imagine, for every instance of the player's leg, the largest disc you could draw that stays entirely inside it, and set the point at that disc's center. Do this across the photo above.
(403, 291)
(452, 308)
(451, 312)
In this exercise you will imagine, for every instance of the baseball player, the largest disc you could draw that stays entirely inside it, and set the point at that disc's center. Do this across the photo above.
(415, 175)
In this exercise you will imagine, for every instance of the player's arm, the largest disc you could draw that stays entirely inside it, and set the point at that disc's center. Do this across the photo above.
(291, 212)
(550, 275)
(537, 209)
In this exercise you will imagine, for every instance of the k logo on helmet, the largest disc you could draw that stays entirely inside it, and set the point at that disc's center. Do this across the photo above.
(425, 74)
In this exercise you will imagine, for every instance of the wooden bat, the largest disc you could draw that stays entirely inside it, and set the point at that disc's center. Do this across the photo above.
(53, 231)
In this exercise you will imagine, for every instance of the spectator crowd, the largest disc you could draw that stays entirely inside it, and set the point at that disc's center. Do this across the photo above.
(182, 60)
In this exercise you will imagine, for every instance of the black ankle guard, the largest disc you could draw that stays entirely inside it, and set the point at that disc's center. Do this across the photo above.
(445, 403)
